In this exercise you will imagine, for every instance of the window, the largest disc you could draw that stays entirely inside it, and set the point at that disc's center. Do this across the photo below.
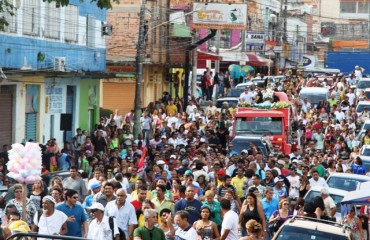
(71, 23)
(363, 7)
(52, 21)
(31, 17)
(11, 20)
(90, 39)
(348, 7)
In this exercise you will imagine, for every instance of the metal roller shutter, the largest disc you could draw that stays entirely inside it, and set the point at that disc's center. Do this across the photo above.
(70, 109)
(31, 126)
(119, 95)
(6, 123)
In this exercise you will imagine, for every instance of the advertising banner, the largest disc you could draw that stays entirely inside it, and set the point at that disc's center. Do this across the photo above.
(220, 16)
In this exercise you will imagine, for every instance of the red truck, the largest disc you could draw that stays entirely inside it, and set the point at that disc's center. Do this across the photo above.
(274, 123)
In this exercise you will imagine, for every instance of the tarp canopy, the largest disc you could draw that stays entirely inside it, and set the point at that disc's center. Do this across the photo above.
(361, 196)
(208, 56)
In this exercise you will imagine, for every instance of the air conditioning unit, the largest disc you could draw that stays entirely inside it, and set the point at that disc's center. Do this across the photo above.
(60, 64)
(107, 29)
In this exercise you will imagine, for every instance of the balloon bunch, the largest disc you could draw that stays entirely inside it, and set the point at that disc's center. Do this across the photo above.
(25, 163)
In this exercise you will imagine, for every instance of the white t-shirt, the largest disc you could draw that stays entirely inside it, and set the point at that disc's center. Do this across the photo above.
(188, 234)
(102, 230)
(329, 204)
(246, 97)
(230, 221)
(294, 186)
(50, 225)
(320, 182)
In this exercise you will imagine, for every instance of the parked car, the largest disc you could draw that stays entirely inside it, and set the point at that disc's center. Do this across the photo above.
(243, 142)
(365, 151)
(361, 105)
(299, 227)
(229, 100)
(314, 94)
(346, 181)
(235, 92)
(362, 85)
(336, 194)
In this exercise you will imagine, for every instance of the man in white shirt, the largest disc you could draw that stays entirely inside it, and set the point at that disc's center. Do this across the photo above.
(317, 181)
(229, 227)
(351, 96)
(124, 212)
(99, 228)
(184, 231)
(211, 108)
(246, 96)
(52, 221)
(330, 207)
(190, 108)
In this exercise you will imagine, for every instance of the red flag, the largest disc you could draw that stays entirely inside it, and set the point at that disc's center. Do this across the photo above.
(142, 159)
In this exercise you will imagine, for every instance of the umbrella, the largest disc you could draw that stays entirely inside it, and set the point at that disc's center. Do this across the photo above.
(361, 196)
(234, 71)
(245, 70)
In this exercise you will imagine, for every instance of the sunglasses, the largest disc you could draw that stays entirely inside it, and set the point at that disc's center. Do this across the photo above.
(93, 210)
(285, 204)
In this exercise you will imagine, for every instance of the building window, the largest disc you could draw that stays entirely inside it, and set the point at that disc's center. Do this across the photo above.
(348, 7)
(71, 23)
(52, 21)
(31, 17)
(90, 39)
(363, 7)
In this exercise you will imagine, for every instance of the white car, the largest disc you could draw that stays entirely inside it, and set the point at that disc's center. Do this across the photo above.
(361, 105)
(299, 227)
(346, 181)
(362, 85)
(366, 125)
(229, 100)
(365, 151)
(336, 194)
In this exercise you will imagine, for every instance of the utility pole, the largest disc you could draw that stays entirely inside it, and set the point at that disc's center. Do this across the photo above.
(139, 70)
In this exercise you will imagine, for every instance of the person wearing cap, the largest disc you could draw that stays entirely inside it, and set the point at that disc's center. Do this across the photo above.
(280, 191)
(95, 189)
(51, 221)
(99, 228)
(280, 165)
(189, 181)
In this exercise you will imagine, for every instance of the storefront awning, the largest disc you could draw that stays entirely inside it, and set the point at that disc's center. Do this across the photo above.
(208, 56)
(245, 58)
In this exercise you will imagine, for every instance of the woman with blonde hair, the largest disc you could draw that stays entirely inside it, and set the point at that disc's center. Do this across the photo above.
(37, 194)
(254, 230)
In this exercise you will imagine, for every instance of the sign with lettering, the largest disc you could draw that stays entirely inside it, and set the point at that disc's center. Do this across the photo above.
(219, 16)
(55, 102)
(254, 39)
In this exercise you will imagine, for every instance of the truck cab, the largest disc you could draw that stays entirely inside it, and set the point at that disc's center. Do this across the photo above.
(273, 123)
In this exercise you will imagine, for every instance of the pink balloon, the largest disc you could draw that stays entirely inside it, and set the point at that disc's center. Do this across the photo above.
(32, 179)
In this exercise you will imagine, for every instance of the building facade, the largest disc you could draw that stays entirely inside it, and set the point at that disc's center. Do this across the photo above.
(51, 57)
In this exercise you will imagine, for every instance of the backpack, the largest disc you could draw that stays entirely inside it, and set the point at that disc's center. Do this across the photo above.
(122, 235)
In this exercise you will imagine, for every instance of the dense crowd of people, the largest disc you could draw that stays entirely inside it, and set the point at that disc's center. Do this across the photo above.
(181, 179)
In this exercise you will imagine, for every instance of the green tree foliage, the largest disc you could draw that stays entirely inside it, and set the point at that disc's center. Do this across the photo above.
(100, 3)
(6, 7)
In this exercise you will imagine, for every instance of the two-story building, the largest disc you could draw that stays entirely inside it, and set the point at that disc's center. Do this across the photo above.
(51, 59)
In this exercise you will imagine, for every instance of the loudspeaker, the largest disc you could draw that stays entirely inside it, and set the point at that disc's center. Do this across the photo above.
(66, 122)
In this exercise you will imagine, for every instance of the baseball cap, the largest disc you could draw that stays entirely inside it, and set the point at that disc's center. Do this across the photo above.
(282, 162)
(185, 162)
(188, 172)
(95, 186)
(221, 172)
(97, 206)
(159, 162)
(278, 179)
(173, 156)
(244, 151)
(293, 168)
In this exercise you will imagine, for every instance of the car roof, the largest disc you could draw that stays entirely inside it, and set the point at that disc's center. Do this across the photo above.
(247, 137)
(366, 146)
(364, 80)
(332, 191)
(317, 225)
(367, 121)
(363, 103)
(225, 99)
(313, 89)
(247, 84)
(350, 176)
